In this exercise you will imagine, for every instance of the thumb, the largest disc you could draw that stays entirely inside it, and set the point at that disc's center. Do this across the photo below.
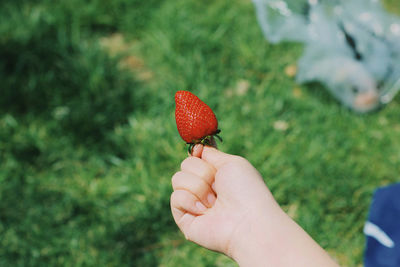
(215, 157)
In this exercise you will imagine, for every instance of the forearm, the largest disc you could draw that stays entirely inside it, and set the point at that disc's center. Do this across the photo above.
(279, 242)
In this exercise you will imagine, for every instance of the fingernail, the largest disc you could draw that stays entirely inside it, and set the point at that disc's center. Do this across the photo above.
(211, 199)
(200, 206)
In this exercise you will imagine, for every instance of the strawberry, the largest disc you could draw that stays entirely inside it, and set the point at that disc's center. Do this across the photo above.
(195, 120)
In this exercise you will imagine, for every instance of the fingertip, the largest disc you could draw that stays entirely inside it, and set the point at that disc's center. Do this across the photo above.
(186, 202)
(211, 199)
(197, 150)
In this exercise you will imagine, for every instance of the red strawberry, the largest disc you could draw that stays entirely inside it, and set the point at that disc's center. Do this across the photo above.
(195, 120)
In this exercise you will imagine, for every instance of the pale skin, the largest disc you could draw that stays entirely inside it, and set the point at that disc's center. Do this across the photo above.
(221, 202)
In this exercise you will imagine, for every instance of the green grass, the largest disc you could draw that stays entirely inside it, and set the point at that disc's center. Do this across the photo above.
(88, 141)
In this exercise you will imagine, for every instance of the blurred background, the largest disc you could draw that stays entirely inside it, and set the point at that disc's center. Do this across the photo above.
(88, 141)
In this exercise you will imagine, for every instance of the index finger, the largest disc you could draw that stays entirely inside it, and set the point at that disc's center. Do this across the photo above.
(197, 150)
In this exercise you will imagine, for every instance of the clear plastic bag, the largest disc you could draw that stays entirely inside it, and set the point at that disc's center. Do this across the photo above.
(351, 46)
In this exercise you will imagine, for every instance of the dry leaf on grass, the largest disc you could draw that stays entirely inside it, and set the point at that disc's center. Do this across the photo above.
(281, 125)
(242, 87)
(291, 70)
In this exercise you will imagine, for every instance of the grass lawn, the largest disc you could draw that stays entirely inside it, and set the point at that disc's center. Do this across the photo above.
(88, 141)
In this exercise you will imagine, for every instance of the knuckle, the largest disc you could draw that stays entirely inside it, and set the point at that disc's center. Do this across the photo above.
(190, 163)
(207, 172)
(172, 199)
(239, 160)
(203, 174)
(200, 187)
(234, 167)
(175, 179)
(186, 162)
(175, 197)
(238, 163)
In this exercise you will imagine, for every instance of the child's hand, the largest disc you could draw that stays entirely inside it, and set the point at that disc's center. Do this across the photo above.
(216, 196)
(221, 202)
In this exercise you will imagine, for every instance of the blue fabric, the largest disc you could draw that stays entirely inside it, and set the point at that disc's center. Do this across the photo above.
(385, 214)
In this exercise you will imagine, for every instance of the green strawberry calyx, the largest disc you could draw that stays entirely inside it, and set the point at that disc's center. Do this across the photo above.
(207, 140)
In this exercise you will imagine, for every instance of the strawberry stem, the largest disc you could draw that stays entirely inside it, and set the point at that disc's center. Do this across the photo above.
(206, 141)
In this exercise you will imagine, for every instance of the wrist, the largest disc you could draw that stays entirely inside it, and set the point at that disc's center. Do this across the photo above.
(261, 237)
(279, 241)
